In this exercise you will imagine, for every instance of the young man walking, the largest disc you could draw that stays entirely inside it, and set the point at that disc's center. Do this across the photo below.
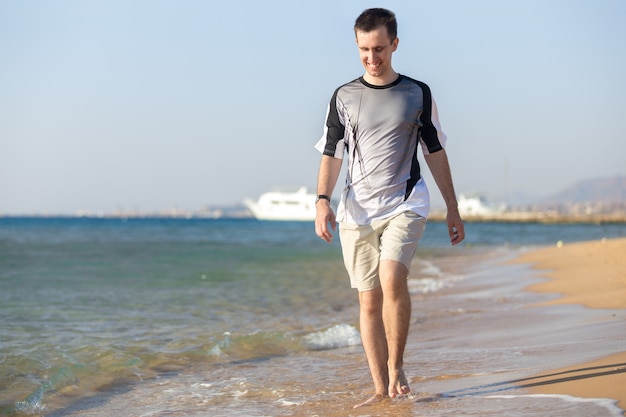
(377, 121)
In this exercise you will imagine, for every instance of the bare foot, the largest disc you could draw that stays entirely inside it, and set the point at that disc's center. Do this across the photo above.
(398, 385)
(376, 398)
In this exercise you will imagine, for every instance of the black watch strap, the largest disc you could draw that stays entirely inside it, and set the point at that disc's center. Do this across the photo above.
(322, 197)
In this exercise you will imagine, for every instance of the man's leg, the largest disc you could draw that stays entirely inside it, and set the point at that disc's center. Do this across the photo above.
(399, 243)
(385, 315)
(396, 318)
(374, 341)
(385, 249)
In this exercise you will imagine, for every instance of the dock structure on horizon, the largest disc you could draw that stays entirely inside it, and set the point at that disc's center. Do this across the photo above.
(535, 217)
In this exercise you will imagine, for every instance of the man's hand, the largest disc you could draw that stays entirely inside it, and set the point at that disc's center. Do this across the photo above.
(456, 229)
(324, 216)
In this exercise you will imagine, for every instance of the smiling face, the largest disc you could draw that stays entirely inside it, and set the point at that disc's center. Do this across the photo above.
(375, 49)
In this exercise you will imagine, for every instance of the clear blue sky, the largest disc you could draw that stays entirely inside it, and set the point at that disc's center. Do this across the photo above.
(148, 105)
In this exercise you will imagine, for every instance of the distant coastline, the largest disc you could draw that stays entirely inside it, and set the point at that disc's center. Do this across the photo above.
(237, 212)
(538, 217)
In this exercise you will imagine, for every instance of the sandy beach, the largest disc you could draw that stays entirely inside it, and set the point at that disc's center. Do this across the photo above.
(592, 274)
(487, 337)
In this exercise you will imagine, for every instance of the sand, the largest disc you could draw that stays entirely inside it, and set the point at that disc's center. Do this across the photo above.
(592, 274)
(480, 346)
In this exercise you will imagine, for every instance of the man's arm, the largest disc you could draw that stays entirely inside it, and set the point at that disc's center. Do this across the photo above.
(326, 180)
(440, 168)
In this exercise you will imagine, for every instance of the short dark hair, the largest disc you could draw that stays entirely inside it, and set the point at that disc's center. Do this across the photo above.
(371, 19)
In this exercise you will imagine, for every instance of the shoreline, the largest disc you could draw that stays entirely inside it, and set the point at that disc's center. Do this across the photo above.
(241, 213)
(473, 350)
(592, 274)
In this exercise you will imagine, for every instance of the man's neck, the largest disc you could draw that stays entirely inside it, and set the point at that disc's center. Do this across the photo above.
(386, 79)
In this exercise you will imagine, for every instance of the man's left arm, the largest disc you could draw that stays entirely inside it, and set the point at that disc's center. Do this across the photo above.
(440, 169)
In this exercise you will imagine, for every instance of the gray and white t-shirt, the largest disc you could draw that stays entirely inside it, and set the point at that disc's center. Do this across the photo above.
(378, 128)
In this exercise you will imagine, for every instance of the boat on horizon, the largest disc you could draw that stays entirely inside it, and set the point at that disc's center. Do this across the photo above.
(474, 204)
(300, 205)
(285, 206)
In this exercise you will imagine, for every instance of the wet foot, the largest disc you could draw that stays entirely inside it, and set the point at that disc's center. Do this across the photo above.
(376, 398)
(398, 385)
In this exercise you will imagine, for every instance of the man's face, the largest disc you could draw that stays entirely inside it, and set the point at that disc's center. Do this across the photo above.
(375, 49)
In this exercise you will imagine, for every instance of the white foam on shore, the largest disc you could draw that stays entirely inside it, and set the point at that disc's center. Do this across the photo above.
(286, 402)
(432, 279)
(341, 335)
(33, 405)
(607, 403)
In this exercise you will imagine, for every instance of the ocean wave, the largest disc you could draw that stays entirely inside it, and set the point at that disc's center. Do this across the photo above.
(341, 335)
(33, 405)
(432, 279)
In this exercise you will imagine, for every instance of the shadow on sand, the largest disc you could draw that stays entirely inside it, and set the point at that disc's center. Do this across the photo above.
(535, 381)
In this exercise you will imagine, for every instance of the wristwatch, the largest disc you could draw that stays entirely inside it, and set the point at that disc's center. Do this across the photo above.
(322, 197)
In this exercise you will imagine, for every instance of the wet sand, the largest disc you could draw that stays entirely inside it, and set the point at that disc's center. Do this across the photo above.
(482, 346)
(592, 274)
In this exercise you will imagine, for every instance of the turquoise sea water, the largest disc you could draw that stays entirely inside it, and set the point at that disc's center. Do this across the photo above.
(88, 306)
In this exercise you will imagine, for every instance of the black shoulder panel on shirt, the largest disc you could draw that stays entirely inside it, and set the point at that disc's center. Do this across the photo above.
(428, 131)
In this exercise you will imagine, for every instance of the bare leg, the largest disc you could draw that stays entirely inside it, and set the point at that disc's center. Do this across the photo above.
(374, 342)
(396, 319)
(385, 314)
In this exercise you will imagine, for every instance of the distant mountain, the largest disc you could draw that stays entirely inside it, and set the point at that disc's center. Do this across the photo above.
(598, 190)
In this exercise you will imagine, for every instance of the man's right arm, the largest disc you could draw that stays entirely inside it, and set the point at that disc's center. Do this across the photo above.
(440, 169)
(326, 180)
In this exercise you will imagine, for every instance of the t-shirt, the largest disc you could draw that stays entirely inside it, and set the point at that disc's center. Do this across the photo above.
(379, 128)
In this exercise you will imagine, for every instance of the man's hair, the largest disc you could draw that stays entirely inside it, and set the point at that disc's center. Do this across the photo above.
(371, 19)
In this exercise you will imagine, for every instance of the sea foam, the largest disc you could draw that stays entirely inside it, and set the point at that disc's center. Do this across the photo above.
(432, 279)
(341, 335)
(33, 405)
(609, 404)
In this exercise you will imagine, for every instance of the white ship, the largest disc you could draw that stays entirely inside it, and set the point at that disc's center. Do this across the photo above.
(276, 205)
(476, 205)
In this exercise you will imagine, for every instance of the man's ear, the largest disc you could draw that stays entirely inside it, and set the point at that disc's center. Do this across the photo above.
(394, 44)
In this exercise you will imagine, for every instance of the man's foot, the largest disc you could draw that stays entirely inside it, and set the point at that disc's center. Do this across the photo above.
(398, 385)
(376, 398)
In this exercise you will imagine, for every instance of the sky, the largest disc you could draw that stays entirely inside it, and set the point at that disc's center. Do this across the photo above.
(149, 105)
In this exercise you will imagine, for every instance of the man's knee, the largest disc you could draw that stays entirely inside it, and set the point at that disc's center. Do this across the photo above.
(392, 273)
(391, 267)
(371, 302)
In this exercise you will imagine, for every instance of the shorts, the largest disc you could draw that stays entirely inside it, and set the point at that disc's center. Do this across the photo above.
(363, 247)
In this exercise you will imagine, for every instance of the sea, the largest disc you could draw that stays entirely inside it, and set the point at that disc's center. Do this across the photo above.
(240, 317)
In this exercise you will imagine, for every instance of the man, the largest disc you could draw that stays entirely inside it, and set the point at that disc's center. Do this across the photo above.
(378, 120)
